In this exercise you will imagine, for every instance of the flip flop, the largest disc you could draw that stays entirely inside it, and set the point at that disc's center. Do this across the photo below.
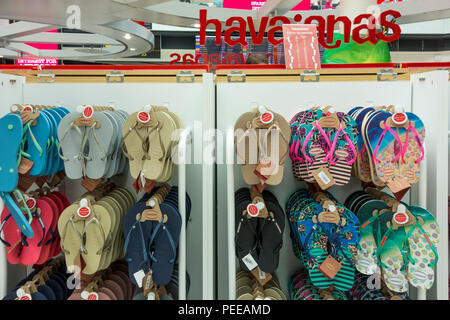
(165, 239)
(99, 140)
(422, 241)
(70, 141)
(11, 131)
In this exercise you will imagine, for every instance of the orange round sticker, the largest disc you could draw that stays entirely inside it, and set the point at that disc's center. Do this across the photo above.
(401, 218)
(31, 203)
(143, 117)
(88, 111)
(266, 117)
(93, 296)
(84, 212)
(399, 118)
(252, 210)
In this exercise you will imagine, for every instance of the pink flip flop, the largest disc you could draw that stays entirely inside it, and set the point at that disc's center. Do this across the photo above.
(47, 245)
(40, 224)
(12, 237)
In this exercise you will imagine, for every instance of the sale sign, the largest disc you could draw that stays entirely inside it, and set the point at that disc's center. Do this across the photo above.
(36, 61)
(255, 5)
(301, 47)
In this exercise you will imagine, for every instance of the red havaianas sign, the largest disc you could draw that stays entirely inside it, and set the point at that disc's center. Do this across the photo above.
(325, 26)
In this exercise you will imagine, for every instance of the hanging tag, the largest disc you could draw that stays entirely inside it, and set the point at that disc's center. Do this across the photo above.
(86, 119)
(25, 166)
(90, 184)
(399, 117)
(249, 261)
(142, 179)
(264, 169)
(261, 276)
(323, 178)
(266, 116)
(330, 267)
(399, 187)
(84, 210)
(147, 283)
(139, 277)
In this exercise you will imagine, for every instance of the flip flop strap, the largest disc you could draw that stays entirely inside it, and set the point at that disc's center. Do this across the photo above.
(82, 247)
(163, 150)
(333, 148)
(41, 223)
(92, 130)
(70, 127)
(1, 229)
(53, 238)
(36, 144)
(95, 220)
(22, 209)
(22, 152)
(251, 228)
(381, 247)
(322, 132)
(171, 241)
(419, 143)
(238, 142)
(377, 147)
(128, 236)
(266, 137)
(425, 234)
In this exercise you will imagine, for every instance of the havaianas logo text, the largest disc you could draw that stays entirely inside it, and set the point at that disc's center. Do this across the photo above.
(327, 25)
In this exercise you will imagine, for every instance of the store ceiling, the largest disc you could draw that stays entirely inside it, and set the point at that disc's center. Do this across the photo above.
(113, 35)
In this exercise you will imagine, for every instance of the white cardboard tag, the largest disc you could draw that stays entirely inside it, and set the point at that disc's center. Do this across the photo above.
(139, 276)
(249, 262)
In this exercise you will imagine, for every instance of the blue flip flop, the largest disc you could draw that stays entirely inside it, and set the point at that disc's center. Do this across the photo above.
(11, 131)
(165, 239)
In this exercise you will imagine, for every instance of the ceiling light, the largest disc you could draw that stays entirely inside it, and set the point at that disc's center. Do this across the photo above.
(127, 36)
(196, 25)
(132, 49)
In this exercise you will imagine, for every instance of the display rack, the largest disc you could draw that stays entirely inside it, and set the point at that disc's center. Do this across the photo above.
(286, 93)
(139, 86)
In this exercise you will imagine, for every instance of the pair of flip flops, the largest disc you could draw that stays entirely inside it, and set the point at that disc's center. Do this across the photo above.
(90, 142)
(167, 292)
(248, 288)
(258, 238)
(48, 283)
(301, 288)
(323, 229)
(149, 140)
(40, 139)
(110, 284)
(322, 138)
(390, 145)
(364, 289)
(45, 210)
(399, 239)
(90, 228)
(151, 230)
(261, 140)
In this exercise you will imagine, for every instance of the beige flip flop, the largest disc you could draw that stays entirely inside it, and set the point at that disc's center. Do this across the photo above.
(70, 230)
(134, 140)
(246, 147)
(97, 227)
(160, 141)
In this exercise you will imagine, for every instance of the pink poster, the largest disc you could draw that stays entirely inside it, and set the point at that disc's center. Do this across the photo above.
(255, 4)
(301, 47)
